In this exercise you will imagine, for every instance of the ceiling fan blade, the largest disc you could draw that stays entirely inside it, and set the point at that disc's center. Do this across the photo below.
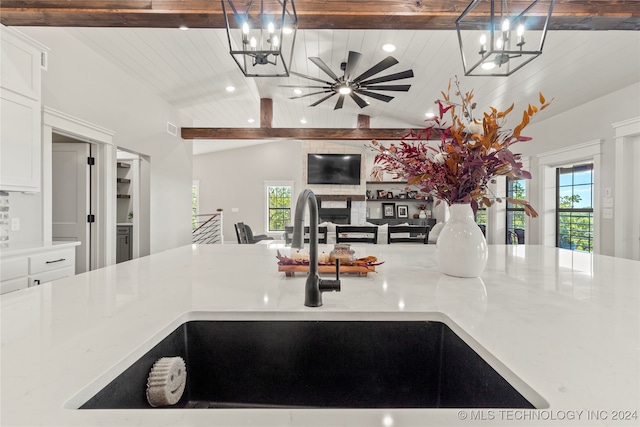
(311, 78)
(379, 96)
(399, 88)
(323, 99)
(309, 94)
(397, 76)
(339, 103)
(306, 87)
(361, 102)
(324, 67)
(352, 64)
(379, 67)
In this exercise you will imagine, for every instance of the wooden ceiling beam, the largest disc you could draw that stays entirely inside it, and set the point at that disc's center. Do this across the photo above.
(312, 14)
(294, 133)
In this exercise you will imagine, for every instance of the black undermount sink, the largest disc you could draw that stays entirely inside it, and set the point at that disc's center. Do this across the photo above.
(326, 364)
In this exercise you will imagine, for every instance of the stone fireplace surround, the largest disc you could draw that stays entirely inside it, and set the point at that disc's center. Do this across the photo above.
(342, 208)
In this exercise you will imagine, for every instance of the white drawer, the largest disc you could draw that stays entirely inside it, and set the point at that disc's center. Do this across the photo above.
(49, 276)
(52, 260)
(13, 284)
(13, 267)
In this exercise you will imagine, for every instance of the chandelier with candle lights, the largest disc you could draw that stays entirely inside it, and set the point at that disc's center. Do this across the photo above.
(261, 35)
(498, 37)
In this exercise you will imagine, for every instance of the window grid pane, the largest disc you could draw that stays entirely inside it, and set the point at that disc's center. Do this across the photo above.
(574, 218)
(279, 207)
(516, 189)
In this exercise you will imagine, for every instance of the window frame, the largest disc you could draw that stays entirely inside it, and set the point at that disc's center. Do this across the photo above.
(559, 211)
(267, 185)
(510, 207)
(195, 210)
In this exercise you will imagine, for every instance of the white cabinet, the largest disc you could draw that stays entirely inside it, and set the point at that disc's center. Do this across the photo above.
(51, 265)
(31, 268)
(20, 112)
(13, 274)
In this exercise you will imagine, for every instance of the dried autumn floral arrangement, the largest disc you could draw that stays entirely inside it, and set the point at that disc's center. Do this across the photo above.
(471, 152)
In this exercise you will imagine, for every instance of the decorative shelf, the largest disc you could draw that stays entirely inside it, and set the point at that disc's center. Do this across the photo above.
(387, 182)
(123, 196)
(397, 199)
(123, 180)
(123, 165)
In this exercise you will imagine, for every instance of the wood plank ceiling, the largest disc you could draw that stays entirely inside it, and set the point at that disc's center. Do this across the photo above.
(329, 28)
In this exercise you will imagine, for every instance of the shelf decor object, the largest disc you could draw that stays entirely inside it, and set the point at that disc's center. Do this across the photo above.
(461, 249)
(261, 35)
(470, 155)
(498, 37)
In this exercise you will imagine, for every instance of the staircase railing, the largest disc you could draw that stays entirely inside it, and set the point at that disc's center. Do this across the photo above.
(207, 229)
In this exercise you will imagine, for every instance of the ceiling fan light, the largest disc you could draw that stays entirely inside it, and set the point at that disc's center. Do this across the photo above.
(344, 90)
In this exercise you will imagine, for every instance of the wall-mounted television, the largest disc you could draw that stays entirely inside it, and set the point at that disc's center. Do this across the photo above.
(341, 169)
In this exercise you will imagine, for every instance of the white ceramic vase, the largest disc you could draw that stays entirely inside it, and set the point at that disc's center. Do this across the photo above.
(461, 249)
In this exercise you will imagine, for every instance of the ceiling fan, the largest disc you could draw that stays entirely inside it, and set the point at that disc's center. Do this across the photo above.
(355, 86)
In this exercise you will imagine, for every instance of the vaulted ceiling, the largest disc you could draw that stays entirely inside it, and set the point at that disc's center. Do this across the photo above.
(190, 69)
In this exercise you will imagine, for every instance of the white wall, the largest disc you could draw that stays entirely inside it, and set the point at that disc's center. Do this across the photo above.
(83, 84)
(235, 179)
(589, 122)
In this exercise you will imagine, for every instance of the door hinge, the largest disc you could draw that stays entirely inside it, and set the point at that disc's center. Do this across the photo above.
(91, 218)
(91, 161)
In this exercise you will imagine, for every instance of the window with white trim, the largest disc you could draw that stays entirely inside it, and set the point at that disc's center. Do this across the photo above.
(278, 202)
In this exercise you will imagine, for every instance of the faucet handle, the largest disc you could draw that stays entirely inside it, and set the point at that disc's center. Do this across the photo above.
(331, 285)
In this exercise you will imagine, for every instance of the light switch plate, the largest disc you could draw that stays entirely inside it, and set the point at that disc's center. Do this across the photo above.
(15, 224)
(607, 202)
(607, 192)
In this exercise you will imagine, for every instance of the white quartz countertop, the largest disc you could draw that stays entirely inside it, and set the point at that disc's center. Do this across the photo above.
(16, 249)
(564, 324)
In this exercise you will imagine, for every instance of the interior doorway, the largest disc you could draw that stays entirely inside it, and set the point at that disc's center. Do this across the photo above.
(73, 189)
(133, 205)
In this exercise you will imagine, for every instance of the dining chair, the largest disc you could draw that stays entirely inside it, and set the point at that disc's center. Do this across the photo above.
(251, 238)
(288, 234)
(408, 234)
(241, 233)
(356, 234)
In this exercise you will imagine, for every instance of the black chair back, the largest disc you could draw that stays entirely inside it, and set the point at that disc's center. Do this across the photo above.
(241, 234)
(408, 234)
(356, 234)
(288, 234)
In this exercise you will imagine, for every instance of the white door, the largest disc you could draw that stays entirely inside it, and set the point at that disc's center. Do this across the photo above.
(72, 199)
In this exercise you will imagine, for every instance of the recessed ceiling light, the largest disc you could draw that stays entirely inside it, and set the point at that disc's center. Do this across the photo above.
(251, 120)
(388, 47)
(429, 115)
(303, 121)
(230, 88)
(297, 91)
(183, 27)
